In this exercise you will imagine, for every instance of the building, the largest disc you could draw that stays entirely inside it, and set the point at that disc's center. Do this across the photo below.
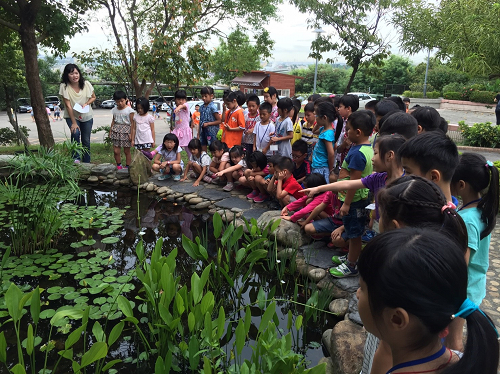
(256, 80)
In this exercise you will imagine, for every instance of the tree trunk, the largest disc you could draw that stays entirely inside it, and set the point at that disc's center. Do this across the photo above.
(15, 125)
(30, 51)
(355, 68)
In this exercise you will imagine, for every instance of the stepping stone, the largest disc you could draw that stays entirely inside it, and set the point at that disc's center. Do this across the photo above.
(185, 188)
(253, 213)
(319, 255)
(213, 194)
(233, 202)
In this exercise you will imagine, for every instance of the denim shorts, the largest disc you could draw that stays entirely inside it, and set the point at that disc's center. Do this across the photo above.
(325, 172)
(355, 220)
(327, 225)
(208, 134)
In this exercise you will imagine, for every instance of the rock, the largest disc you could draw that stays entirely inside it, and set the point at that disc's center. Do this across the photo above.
(144, 185)
(195, 200)
(212, 211)
(227, 217)
(180, 199)
(140, 168)
(110, 176)
(304, 269)
(124, 182)
(299, 261)
(134, 188)
(316, 274)
(353, 310)
(92, 179)
(108, 181)
(190, 196)
(339, 307)
(287, 233)
(349, 284)
(326, 339)
(286, 253)
(101, 178)
(116, 183)
(170, 198)
(5, 160)
(122, 173)
(150, 187)
(346, 351)
(236, 210)
(162, 190)
(83, 167)
(327, 284)
(239, 222)
(103, 169)
(329, 365)
(202, 205)
(177, 195)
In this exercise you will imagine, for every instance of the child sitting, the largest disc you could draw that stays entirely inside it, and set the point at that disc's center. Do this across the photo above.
(170, 152)
(302, 166)
(199, 162)
(220, 158)
(236, 169)
(263, 130)
(287, 187)
(264, 182)
(257, 163)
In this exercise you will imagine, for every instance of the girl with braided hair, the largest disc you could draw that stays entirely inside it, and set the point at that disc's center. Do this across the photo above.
(412, 201)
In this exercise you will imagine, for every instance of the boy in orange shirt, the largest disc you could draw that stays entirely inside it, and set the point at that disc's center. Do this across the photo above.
(234, 120)
(195, 124)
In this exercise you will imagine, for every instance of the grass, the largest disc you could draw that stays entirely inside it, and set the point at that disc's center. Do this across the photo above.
(100, 153)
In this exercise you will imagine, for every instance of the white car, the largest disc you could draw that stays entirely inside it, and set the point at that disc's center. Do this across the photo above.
(363, 98)
(192, 105)
(108, 104)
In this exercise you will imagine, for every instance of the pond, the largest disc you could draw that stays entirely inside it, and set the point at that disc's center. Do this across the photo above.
(96, 259)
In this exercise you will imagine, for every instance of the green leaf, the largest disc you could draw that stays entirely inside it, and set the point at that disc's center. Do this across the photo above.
(97, 351)
(238, 233)
(318, 369)
(195, 288)
(275, 225)
(290, 320)
(12, 299)
(109, 365)
(207, 303)
(125, 306)
(3, 348)
(71, 313)
(217, 223)
(256, 255)
(191, 248)
(240, 254)
(248, 319)
(110, 240)
(194, 357)
(227, 234)
(88, 242)
(35, 305)
(207, 365)
(179, 303)
(47, 313)
(267, 316)
(74, 337)
(115, 333)
(30, 340)
(191, 321)
(18, 369)
(298, 322)
(240, 337)
(221, 321)
(105, 232)
(98, 332)
(261, 298)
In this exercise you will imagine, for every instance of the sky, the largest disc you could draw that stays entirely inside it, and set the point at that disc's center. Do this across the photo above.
(289, 30)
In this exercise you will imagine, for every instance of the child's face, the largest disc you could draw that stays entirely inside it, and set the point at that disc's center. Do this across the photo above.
(343, 111)
(352, 134)
(254, 166)
(197, 108)
(231, 105)
(264, 116)
(270, 99)
(271, 168)
(252, 107)
(378, 162)
(413, 168)
(179, 101)
(207, 98)
(298, 157)
(235, 157)
(282, 113)
(291, 113)
(309, 117)
(195, 152)
(121, 103)
(218, 153)
(364, 309)
(140, 110)
(169, 144)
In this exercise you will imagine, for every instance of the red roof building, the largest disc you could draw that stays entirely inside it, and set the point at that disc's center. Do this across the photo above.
(256, 80)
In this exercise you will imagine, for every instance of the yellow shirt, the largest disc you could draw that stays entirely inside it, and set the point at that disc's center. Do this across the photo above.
(297, 132)
(67, 92)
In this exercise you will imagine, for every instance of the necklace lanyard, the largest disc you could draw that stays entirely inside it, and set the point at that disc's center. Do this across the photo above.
(418, 361)
(469, 203)
(264, 135)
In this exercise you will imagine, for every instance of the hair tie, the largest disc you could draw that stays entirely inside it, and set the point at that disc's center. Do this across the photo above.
(467, 308)
(449, 205)
(488, 164)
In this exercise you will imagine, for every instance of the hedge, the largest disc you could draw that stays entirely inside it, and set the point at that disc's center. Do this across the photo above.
(453, 96)
(420, 95)
(485, 97)
(480, 134)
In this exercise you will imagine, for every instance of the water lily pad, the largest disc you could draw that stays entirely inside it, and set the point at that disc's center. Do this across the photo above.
(110, 240)
(79, 276)
(128, 287)
(67, 256)
(115, 315)
(110, 272)
(54, 296)
(74, 270)
(98, 276)
(48, 272)
(109, 279)
(115, 227)
(81, 300)
(72, 295)
(108, 262)
(82, 254)
(54, 289)
(102, 254)
(47, 313)
(123, 279)
(63, 270)
(88, 242)
(100, 300)
(55, 266)
(68, 289)
(105, 232)
(54, 276)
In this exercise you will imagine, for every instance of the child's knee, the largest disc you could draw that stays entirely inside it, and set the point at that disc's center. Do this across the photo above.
(155, 167)
(309, 229)
(243, 180)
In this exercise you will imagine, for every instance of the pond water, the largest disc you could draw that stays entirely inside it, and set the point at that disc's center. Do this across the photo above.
(72, 271)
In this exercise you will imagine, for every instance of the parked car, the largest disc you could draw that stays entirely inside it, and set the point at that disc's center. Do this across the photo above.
(108, 104)
(23, 105)
(51, 101)
(166, 108)
(192, 104)
(363, 98)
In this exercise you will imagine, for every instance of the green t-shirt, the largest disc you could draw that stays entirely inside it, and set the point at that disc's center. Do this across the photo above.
(358, 158)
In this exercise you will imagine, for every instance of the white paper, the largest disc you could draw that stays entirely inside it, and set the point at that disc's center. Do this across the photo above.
(80, 109)
(273, 147)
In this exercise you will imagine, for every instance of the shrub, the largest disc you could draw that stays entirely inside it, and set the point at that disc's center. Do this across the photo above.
(420, 94)
(433, 94)
(8, 136)
(481, 134)
(453, 87)
(482, 97)
(453, 96)
(419, 87)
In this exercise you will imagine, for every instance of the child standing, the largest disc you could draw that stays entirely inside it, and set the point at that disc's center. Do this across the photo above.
(236, 169)
(251, 120)
(57, 112)
(271, 96)
(348, 104)
(234, 121)
(476, 182)
(170, 152)
(294, 116)
(263, 130)
(324, 154)
(302, 166)
(199, 161)
(209, 118)
(355, 166)
(155, 113)
(143, 130)
(287, 188)
(120, 131)
(196, 121)
(284, 128)
(182, 119)
(307, 129)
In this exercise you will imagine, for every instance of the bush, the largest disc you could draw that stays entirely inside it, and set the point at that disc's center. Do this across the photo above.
(433, 94)
(481, 134)
(8, 136)
(485, 97)
(453, 96)
(420, 94)
(453, 87)
(419, 87)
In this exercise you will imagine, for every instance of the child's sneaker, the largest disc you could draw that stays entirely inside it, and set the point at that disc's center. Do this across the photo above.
(253, 194)
(215, 180)
(369, 235)
(344, 270)
(77, 161)
(339, 259)
(163, 177)
(207, 179)
(260, 198)
(228, 187)
(119, 167)
(177, 177)
(147, 154)
(192, 175)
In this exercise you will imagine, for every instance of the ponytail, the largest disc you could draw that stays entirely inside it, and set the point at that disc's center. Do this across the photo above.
(481, 349)
(489, 203)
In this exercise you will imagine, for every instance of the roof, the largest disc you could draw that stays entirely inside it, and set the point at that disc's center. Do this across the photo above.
(251, 79)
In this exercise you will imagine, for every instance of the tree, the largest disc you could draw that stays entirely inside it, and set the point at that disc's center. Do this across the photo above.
(329, 79)
(357, 35)
(164, 41)
(463, 31)
(237, 55)
(44, 22)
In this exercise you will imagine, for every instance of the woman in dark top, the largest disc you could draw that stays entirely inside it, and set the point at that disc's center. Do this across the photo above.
(497, 109)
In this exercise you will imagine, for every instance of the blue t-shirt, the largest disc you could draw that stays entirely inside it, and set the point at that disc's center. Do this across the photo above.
(207, 113)
(479, 254)
(320, 154)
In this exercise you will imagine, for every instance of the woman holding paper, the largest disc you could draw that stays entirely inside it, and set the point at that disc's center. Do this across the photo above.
(78, 95)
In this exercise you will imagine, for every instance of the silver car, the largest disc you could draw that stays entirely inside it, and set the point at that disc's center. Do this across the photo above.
(108, 104)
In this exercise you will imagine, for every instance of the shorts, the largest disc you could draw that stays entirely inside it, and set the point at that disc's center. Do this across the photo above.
(208, 134)
(143, 146)
(327, 225)
(57, 114)
(355, 220)
(325, 172)
(120, 135)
